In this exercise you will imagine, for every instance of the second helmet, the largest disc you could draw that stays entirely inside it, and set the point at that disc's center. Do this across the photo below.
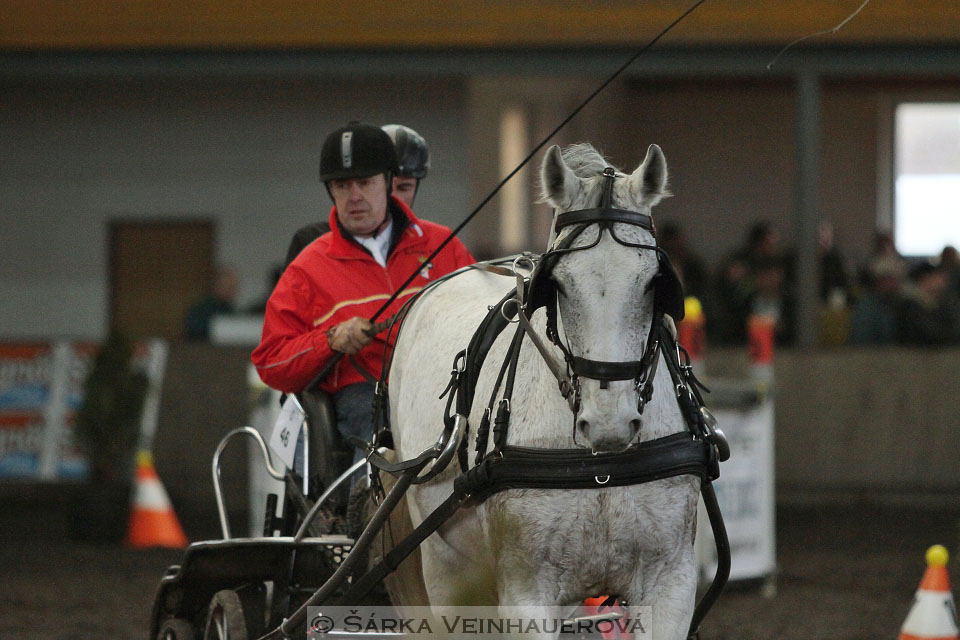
(413, 155)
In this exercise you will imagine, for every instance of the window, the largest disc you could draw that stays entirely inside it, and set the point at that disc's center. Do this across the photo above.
(927, 188)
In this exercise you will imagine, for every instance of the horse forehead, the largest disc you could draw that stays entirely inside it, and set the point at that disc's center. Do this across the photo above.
(609, 261)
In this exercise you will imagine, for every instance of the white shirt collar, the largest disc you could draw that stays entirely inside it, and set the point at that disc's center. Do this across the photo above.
(378, 245)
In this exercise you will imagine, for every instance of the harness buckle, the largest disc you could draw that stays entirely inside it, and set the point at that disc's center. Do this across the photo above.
(518, 303)
(714, 435)
(570, 390)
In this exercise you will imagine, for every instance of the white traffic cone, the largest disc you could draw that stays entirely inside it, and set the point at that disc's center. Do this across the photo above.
(933, 614)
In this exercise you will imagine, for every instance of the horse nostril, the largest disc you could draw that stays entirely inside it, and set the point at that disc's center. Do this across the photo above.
(583, 427)
(635, 425)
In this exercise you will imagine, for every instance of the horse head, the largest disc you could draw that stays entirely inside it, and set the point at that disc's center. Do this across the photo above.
(607, 276)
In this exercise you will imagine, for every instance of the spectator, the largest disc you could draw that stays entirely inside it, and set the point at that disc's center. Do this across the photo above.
(834, 285)
(883, 248)
(874, 314)
(220, 301)
(738, 286)
(950, 262)
(922, 316)
(322, 304)
(772, 299)
(692, 271)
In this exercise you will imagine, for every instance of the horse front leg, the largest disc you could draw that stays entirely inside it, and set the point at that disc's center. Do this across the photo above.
(528, 611)
(454, 578)
(670, 590)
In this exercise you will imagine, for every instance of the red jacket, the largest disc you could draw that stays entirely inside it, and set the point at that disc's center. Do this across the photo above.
(334, 279)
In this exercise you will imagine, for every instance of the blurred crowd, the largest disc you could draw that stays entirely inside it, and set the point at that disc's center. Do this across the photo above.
(886, 300)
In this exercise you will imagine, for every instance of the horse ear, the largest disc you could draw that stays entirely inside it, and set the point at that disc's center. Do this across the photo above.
(648, 184)
(560, 184)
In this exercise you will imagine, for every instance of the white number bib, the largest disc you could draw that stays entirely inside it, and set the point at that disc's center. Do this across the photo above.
(286, 431)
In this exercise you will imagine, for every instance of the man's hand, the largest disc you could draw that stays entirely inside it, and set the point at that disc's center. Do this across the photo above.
(351, 335)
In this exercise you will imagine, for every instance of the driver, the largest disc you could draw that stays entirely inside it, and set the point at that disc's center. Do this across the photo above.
(413, 159)
(323, 301)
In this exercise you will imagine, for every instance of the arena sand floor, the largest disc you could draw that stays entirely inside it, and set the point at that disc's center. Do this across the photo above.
(845, 573)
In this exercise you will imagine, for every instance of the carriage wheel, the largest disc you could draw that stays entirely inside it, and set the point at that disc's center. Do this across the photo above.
(225, 619)
(176, 629)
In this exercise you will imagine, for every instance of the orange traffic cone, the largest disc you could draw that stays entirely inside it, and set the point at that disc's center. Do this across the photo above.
(152, 520)
(932, 616)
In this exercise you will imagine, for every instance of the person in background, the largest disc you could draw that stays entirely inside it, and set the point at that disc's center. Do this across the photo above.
(950, 262)
(882, 248)
(922, 315)
(220, 301)
(834, 285)
(873, 321)
(413, 162)
(755, 279)
(322, 305)
(672, 239)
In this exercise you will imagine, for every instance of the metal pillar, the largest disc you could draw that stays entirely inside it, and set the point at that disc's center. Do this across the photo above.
(807, 207)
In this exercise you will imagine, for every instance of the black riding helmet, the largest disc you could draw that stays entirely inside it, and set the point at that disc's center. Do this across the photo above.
(412, 152)
(357, 151)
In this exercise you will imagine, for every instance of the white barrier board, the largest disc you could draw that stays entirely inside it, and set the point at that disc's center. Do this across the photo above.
(745, 493)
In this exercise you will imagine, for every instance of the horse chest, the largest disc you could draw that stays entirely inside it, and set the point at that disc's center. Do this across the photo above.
(595, 530)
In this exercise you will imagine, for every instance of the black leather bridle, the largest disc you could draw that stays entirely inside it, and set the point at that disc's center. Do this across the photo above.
(542, 292)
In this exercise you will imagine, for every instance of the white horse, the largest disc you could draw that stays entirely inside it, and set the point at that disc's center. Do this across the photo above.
(536, 547)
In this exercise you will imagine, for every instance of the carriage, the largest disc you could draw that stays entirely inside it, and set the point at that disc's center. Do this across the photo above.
(594, 462)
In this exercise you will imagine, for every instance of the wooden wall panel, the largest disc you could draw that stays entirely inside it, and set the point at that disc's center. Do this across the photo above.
(324, 24)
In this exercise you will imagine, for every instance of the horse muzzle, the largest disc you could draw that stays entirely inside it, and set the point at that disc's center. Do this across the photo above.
(609, 421)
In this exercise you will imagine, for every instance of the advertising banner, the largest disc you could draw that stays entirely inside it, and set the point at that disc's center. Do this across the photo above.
(26, 381)
(41, 390)
(26, 372)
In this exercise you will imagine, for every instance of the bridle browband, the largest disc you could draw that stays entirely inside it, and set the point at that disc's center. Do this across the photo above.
(606, 213)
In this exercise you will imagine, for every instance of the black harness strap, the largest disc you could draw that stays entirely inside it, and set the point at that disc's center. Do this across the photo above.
(501, 423)
(389, 563)
(609, 213)
(534, 468)
(605, 370)
(483, 431)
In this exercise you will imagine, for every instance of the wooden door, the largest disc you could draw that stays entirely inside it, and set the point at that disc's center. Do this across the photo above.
(158, 269)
